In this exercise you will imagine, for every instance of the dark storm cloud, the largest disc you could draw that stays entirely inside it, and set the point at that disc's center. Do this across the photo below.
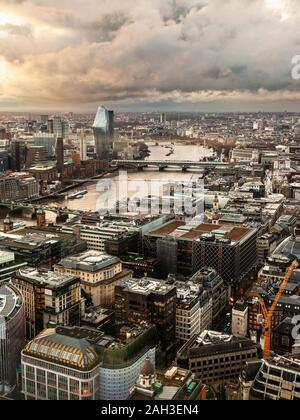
(75, 51)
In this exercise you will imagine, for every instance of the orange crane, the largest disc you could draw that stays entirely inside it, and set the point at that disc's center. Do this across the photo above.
(269, 314)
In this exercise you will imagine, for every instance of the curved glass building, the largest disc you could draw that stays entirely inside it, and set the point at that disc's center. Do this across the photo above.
(12, 333)
(103, 132)
(289, 247)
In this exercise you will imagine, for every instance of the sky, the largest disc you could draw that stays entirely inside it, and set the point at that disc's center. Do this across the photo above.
(189, 55)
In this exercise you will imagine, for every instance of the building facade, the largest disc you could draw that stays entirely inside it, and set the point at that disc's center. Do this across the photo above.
(150, 301)
(99, 274)
(12, 334)
(103, 128)
(121, 361)
(49, 298)
(60, 365)
(194, 310)
(215, 357)
(240, 319)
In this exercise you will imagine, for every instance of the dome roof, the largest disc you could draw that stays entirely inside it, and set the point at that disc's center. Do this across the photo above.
(289, 247)
(73, 352)
(147, 368)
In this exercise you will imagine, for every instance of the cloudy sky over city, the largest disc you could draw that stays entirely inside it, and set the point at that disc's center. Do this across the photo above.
(197, 55)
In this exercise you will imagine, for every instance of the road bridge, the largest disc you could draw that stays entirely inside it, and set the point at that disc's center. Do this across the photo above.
(166, 164)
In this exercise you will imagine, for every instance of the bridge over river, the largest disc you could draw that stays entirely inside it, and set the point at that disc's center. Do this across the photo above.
(166, 164)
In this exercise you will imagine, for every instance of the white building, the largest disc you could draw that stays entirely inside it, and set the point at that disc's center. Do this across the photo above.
(240, 155)
(96, 236)
(240, 319)
(121, 361)
(194, 310)
(116, 384)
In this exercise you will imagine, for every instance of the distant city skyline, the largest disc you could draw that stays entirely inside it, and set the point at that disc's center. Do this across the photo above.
(170, 55)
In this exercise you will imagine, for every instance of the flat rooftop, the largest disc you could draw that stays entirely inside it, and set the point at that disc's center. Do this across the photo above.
(187, 292)
(148, 285)
(212, 342)
(90, 261)
(31, 238)
(46, 278)
(289, 362)
(179, 229)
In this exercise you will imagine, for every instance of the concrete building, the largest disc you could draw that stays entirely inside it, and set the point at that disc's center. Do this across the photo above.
(149, 301)
(98, 272)
(36, 155)
(18, 186)
(40, 247)
(194, 310)
(215, 287)
(50, 299)
(229, 249)
(175, 384)
(12, 334)
(240, 319)
(245, 155)
(85, 364)
(282, 340)
(275, 379)
(104, 238)
(215, 357)
(8, 266)
(266, 245)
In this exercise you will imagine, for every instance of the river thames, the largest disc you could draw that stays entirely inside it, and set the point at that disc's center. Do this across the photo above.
(101, 195)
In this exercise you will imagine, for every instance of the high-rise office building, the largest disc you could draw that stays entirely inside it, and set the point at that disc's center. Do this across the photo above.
(150, 301)
(44, 119)
(49, 298)
(18, 155)
(60, 156)
(58, 126)
(36, 155)
(3, 134)
(163, 118)
(12, 333)
(103, 132)
(83, 146)
(46, 140)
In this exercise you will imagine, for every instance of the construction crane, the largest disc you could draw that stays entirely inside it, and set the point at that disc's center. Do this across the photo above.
(268, 315)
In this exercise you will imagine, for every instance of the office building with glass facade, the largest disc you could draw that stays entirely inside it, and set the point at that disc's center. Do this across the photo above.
(61, 364)
(103, 132)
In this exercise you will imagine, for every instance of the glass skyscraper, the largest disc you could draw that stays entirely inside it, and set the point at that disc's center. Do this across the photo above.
(47, 140)
(103, 132)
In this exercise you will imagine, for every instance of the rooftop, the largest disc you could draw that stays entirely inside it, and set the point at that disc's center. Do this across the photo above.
(212, 342)
(90, 261)
(147, 285)
(288, 362)
(187, 292)
(180, 230)
(65, 347)
(207, 276)
(46, 278)
(10, 301)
